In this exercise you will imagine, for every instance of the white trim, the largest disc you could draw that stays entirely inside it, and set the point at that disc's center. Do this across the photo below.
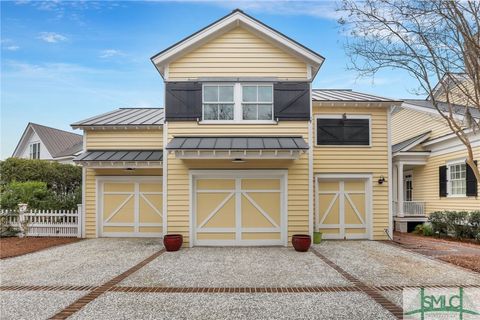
(242, 154)
(136, 193)
(449, 164)
(121, 164)
(349, 116)
(390, 172)
(224, 25)
(165, 179)
(415, 143)
(238, 175)
(343, 234)
(84, 182)
(432, 111)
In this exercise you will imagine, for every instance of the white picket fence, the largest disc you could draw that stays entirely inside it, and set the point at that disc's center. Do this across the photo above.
(46, 223)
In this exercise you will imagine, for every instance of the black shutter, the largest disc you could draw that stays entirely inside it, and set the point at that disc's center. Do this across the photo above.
(343, 132)
(442, 181)
(291, 100)
(356, 132)
(183, 101)
(471, 182)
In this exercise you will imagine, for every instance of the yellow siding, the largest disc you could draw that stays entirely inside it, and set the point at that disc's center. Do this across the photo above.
(237, 53)
(124, 139)
(460, 94)
(372, 159)
(178, 197)
(409, 123)
(91, 192)
(425, 184)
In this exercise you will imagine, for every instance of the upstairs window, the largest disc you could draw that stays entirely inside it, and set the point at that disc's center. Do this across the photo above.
(237, 102)
(343, 131)
(35, 150)
(457, 174)
(257, 102)
(218, 102)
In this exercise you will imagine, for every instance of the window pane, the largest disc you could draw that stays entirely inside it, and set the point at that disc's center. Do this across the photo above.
(250, 112)
(225, 112)
(265, 94)
(210, 93)
(226, 93)
(249, 93)
(210, 112)
(264, 112)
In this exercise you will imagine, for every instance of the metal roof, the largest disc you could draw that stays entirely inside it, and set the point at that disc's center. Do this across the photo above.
(237, 143)
(120, 155)
(125, 117)
(399, 146)
(345, 95)
(59, 143)
(443, 106)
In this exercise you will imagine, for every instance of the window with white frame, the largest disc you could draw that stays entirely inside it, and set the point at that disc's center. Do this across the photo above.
(237, 102)
(257, 102)
(457, 174)
(35, 150)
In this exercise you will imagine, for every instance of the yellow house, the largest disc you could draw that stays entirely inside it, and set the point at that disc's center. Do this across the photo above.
(430, 173)
(245, 152)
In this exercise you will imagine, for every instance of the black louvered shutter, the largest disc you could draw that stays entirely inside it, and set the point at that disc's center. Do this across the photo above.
(291, 100)
(183, 101)
(471, 182)
(442, 181)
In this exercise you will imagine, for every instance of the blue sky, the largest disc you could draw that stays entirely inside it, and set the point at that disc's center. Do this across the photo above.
(65, 61)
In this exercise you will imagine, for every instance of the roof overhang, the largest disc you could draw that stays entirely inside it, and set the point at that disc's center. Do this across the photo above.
(411, 157)
(236, 19)
(121, 159)
(360, 104)
(238, 154)
(121, 127)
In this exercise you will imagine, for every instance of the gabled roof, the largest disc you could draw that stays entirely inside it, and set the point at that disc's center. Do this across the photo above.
(345, 95)
(235, 19)
(408, 144)
(59, 143)
(443, 106)
(136, 117)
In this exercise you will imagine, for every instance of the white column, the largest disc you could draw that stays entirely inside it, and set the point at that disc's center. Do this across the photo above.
(400, 189)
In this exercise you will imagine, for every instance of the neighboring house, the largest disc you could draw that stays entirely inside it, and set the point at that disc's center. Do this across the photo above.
(46, 143)
(430, 172)
(244, 152)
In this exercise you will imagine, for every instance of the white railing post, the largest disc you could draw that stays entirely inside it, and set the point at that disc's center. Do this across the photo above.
(79, 220)
(22, 208)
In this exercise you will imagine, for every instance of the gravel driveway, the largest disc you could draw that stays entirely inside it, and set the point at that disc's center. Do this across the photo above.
(144, 292)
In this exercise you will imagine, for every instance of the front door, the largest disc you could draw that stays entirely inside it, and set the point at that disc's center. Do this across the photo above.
(408, 180)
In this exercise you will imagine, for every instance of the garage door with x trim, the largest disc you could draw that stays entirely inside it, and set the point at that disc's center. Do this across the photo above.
(131, 208)
(239, 211)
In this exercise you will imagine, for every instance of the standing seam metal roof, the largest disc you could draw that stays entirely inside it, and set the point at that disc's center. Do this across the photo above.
(125, 117)
(120, 155)
(344, 95)
(239, 143)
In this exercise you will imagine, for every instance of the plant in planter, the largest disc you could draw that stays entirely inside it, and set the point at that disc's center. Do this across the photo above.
(173, 242)
(317, 237)
(301, 242)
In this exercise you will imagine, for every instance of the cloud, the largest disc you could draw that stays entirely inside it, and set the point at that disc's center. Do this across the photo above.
(51, 37)
(12, 48)
(108, 53)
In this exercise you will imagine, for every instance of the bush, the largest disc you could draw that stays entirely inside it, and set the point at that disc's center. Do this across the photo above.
(457, 224)
(34, 193)
(461, 224)
(474, 222)
(427, 229)
(439, 224)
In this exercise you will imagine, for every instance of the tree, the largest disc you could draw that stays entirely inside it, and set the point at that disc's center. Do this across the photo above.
(437, 42)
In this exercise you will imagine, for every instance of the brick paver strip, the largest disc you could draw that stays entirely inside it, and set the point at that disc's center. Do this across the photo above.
(94, 294)
(371, 291)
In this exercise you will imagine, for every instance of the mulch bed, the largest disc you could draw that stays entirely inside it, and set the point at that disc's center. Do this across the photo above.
(471, 262)
(13, 246)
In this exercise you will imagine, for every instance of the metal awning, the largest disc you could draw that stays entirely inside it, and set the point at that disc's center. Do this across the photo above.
(225, 147)
(120, 158)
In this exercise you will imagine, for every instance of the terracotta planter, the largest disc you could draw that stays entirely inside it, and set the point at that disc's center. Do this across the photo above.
(173, 242)
(301, 242)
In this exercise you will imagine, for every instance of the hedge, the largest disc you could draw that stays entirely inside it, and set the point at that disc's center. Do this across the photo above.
(460, 224)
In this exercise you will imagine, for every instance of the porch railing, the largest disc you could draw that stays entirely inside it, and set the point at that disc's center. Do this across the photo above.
(409, 208)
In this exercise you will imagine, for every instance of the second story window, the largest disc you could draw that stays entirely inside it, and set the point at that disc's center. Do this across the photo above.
(218, 102)
(35, 150)
(237, 102)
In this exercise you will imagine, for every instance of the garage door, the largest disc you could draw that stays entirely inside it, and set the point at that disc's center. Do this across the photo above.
(131, 207)
(343, 208)
(239, 210)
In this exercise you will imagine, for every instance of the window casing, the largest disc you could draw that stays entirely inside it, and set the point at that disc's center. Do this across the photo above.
(237, 102)
(349, 131)
(457, 179)
(35, 150)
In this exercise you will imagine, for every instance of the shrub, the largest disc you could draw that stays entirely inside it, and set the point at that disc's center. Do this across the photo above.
(427, 229)
(474, 222)
(34, 193)
(438, 221)
(457, 223)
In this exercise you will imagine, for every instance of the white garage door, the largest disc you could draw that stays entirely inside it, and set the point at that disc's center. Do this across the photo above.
(343, 208)
(130, 207)
(243, 209)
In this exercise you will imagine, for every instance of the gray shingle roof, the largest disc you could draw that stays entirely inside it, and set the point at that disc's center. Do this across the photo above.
(456, 108)
(399, 146)
(120, 155)
(238, 143)
(125, 117)
(345, 95)
(59, 143)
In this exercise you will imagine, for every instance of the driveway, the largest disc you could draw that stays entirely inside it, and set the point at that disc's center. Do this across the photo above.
(135, 278)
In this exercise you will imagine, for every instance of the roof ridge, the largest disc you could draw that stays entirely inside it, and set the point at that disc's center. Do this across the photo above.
(52, 128)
